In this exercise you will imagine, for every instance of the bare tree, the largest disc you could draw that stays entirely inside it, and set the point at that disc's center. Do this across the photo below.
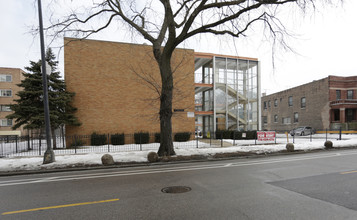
(166, 24)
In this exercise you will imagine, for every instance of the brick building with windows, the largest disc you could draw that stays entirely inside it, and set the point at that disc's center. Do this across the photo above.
(9, 78)
(117, 85)
(328, 103)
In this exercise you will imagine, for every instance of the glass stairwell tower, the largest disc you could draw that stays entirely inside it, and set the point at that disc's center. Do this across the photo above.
(227, 93)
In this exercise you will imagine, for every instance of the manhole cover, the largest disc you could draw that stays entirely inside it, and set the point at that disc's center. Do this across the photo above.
(176, 189)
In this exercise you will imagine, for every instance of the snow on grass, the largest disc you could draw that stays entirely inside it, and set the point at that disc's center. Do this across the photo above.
(86, 156)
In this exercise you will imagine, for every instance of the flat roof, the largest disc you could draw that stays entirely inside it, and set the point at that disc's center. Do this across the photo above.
(211, 55)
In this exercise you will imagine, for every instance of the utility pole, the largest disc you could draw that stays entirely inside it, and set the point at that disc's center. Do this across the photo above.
(49, 155)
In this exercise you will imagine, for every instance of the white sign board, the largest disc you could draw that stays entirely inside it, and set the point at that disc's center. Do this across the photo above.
(190, 114)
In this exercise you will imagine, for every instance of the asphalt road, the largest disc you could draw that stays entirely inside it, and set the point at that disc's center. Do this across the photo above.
(299, 186)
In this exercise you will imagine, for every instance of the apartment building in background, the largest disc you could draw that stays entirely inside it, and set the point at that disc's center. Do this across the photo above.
(328, 103)
(9, 78)
(117, 86)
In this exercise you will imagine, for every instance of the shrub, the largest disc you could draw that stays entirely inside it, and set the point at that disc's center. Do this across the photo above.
(98, 139)
(290, 147)
(117, 139)
(236, 135)
(157, 137)
(328, 144)
(182, 136)
(224, 134)
(76, 143)
(251, 135)
(141, 138)
(153, 157)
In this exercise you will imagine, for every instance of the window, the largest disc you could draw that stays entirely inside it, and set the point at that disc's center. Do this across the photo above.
(265, 105)
(6, 92)
(5, 78)
(296, 117)
(5, 108)
(276, 103)
(350, 115)
(303, 102)
(286, 120)
(290, 101)
(275, 118)
(269, 103)
(5, 122)
(336, 115)
(338, 94)
(265, 119)
(349, 94)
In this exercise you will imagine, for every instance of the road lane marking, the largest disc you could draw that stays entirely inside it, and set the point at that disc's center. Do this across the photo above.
(166, 170)
(355, 171)
(59, 206)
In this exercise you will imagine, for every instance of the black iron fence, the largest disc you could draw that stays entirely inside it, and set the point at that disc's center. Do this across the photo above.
(14, 146)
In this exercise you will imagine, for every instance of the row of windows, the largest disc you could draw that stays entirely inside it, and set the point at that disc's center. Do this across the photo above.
(5, 122)
(5, 78)
(5, 92)
(290, 102)
(5, 108)
(350, 94)
(284, 120)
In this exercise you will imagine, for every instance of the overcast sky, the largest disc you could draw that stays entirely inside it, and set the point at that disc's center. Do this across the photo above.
(325, 44)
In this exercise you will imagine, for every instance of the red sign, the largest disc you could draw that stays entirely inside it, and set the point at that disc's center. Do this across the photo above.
(266, 135)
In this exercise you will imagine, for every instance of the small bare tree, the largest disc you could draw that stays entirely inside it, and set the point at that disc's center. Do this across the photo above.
(166, 24)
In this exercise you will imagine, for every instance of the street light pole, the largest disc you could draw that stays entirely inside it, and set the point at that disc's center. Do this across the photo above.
(49, 156)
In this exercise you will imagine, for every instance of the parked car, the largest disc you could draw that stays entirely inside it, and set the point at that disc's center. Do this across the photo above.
(301, 131)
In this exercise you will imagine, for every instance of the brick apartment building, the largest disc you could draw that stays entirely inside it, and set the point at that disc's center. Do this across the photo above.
(116, 88)
(9, 78)
(328, 103)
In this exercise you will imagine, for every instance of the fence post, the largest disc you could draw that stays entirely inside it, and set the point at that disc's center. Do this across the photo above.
(222, 139)
(196, 141)
(16, 143)
(63, 139)
(340, 138)
(108, 143)
(75, 144)
(210, 139)
(275, 137)
(255, 139)
(293, 138)
(326, 134)
(140, 142)
(234, 138)
(311, 136)
(39, 145)
(28, 142)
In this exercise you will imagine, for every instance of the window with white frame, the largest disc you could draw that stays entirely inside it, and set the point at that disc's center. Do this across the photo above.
(5, 92)
(5, 78)
(296, 117)
(286, 120)
(275, 118)
(303, 102)
(5, 122)
(290, 101)
(349, 94)
(276, 103)
(265, 119)
(5, 108)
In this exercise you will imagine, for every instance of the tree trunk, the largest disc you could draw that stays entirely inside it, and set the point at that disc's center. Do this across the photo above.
(166, 144)
(54, 138)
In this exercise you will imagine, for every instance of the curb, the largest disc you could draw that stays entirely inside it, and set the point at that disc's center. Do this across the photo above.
(220, 157)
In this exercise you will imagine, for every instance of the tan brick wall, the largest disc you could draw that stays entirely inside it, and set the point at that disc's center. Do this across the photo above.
(16, 79)
(111, 97)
